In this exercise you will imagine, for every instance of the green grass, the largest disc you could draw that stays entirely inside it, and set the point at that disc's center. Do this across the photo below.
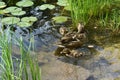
(12, 68)
(105, 11)
(83, 10)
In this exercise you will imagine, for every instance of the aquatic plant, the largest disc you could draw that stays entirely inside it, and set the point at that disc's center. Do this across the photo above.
(24, 3)
(10, 20)
(17, 11)
(2, 4)
(46, 6)
(13, 68)
(27, 21)
(24, 22)
(60, 19)
(62, 3)
(85, 10)
(13, 9)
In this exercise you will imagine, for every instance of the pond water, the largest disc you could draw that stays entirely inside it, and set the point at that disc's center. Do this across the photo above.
(103, 64)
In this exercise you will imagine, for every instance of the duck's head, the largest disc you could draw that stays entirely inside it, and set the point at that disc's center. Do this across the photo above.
(80, 28)
(63, 30)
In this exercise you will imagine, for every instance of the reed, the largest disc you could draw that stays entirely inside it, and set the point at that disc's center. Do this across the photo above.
(105, 11)
(12, 68)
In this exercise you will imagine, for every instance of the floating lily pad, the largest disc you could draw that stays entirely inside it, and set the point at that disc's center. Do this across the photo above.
(67, 8)
(60, 19)
(62, 2)
(13, 9)
(46, 6)
(19, 13)
(3, 11)
(2, 4)
(10, 20)
(25, 3)
(24, 24)
(29, 19)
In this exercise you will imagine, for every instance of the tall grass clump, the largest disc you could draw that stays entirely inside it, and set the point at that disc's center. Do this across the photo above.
(13, 68)
(84, 10)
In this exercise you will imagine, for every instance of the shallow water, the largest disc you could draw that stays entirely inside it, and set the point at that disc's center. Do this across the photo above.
(103, 66)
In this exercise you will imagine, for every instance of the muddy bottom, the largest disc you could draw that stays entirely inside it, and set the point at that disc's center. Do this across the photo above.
(105, 65)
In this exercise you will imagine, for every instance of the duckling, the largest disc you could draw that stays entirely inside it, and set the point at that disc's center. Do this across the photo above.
(65, 51)
(73, 44)
(63, 30)
(81, 33)
(72, 39)
(66, 35)
(76, 53)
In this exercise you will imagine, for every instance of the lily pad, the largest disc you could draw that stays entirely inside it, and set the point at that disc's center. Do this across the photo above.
(62, 3)
(19, 13)
(13, 9)
(67, 8)
(25, 3)
(29, 19)
(60, 19)
(46, 6)
(10, 20)
(24, 24)
(2, 4)
(3, 11)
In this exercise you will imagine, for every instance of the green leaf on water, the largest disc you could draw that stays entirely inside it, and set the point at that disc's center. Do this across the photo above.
(25, 3)
(19, 13)
(29, 19)
(24, 24)
(16, 11)
(60, 19)
(10, 20)
(2, 4)
(3, 11)
(62, 3)
(13, 9)
(67, 8)
(46, 6)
